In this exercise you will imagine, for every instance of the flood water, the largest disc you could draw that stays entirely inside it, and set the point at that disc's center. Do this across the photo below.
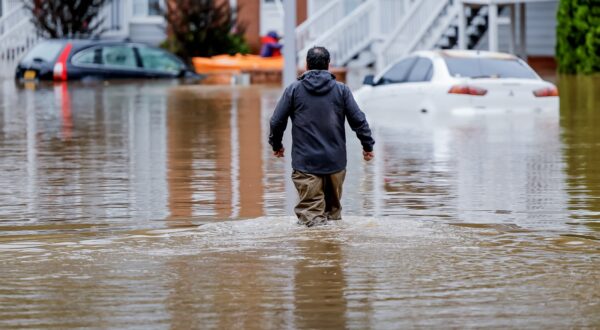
(154, 205)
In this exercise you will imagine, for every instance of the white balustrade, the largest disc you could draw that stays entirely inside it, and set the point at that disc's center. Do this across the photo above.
(12, 18)
(14, 43)
(323, 20)
(349, 36)
(440, 26)
(371, 21)
(411, 30)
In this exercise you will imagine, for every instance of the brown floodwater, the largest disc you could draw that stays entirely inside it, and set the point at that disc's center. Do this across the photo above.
(155, 205)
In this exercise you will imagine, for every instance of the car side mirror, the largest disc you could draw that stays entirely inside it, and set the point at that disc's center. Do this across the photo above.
(369, 80)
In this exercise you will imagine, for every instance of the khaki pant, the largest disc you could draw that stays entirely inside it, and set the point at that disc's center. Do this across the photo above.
(320, 197)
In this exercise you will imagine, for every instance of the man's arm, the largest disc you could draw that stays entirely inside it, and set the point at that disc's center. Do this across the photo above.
(358, 123)
(279, 121)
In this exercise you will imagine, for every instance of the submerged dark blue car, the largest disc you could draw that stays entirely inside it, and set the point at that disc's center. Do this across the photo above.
(78, 59)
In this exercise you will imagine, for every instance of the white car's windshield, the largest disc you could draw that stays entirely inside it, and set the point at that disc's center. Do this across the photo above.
(488, 68)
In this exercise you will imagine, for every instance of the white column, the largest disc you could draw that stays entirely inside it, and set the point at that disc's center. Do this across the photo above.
(522, 32)
(462, 27)
(493, 27)
(513, 29)
(289, 48)
(235, 155)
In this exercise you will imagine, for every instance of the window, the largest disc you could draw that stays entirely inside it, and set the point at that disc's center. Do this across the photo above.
(398, 72)
(156, 59)
(90, 56)
(146, 7)
(119, 56)
(421, 71)
(488, 68)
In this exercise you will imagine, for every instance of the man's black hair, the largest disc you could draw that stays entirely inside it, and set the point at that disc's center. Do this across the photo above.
(317, 58)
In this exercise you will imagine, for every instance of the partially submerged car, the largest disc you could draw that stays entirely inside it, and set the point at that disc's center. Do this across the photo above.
(79, 59)
(452, 81)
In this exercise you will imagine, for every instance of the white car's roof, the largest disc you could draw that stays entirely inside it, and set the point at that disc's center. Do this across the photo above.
(464, 54)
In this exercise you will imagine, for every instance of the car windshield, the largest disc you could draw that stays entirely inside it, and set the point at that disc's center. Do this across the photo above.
(488, 68)
(46, 51)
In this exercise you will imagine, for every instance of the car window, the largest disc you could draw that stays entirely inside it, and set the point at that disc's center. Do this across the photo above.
(398, 72)
(90, 56)
(119, 56)
(488, 67)
(45, 51)
(421, 71)
(156, 59)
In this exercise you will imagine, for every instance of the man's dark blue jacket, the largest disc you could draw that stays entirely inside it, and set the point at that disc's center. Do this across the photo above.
(318, 106)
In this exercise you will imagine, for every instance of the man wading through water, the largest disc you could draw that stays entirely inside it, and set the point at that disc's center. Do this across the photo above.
(318, 106)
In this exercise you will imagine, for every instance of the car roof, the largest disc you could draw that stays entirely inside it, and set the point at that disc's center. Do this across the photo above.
(82, 43)
(456, 53)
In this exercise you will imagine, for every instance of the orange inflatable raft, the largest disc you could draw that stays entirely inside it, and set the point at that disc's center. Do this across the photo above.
(236, 63)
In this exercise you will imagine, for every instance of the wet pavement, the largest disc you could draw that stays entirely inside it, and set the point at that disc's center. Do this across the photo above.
(154, 205)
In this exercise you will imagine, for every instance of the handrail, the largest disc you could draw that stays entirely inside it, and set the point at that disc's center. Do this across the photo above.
(12, 17)
(313, 18)
(436, 32)
(349, 35)
(323, 20)
(14, 44)
(410, 31)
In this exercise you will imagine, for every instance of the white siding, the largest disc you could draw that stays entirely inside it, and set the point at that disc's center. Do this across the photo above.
(540, 30)
(150, 33)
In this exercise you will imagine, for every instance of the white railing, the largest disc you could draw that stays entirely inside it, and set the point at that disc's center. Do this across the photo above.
(391, 11)
(409, 32)
(435, 33)
(349, 36)
(14, 43)
(12, 18)
(370, 22)
(317, 24)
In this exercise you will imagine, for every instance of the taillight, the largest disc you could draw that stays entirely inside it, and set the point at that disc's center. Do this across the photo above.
(467, 90)
(546, 91)
(60, 67)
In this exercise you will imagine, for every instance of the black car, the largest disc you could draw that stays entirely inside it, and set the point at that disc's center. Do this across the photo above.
(78, 59)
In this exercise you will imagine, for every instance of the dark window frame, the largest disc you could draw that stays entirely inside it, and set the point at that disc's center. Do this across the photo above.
(426, 76)
(382, 79)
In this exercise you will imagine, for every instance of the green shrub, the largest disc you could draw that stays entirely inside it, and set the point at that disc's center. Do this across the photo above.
(578, 36)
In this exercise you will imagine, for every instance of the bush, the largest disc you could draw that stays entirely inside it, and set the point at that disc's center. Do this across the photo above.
(578, 36)
(203, 28)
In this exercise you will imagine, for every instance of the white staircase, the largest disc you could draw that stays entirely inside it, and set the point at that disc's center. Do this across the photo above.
(421, 28)
(388, 29)
(345, 32)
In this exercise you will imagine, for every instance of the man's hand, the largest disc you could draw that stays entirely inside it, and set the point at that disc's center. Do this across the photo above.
(368, 155)
(279, 153)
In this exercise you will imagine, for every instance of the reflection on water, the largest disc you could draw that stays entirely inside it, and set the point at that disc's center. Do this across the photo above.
(117, 200)
(580, 120)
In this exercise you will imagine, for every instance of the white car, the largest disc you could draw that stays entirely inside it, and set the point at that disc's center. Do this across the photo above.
(457, 82)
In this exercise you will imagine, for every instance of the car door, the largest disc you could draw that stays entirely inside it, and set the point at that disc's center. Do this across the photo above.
(157, 63)
(417, 86)
(120, 61)
(388, 89)
(87, 63)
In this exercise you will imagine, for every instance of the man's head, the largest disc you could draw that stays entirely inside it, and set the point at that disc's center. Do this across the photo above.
(317, 58)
